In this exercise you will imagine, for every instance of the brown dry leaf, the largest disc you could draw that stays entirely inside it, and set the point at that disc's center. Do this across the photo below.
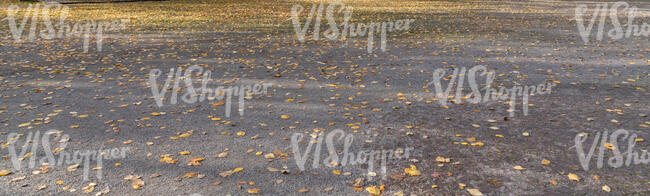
(220, 103)
(226, 173)
(136, 182)
(269, 156)
(358, 183)
(190, 174)
(167, 159)
(397, 176)
(195, 161)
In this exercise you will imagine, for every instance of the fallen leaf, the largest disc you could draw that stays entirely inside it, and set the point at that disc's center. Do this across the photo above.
(474, 192)
(253, 191)
(606, 188)
(413, 171)
(5, 172)
(573, 177)
(373, 190)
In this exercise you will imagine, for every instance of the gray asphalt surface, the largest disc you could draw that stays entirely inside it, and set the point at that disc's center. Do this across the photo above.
(381, 99)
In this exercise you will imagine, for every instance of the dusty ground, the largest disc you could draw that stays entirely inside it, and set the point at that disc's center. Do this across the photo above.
(103, 100)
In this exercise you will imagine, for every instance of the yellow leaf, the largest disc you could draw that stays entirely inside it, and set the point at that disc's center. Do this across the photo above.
(190, 174)
(184, 152)
(168, 160)
(285, 116)
(237, 170)
(253, 191)
(24, 124)
(28, 155)
(373, 190)
(413, 171)
(185, 135)
(336, 172)
(573, 177)
(609, 146)
(443, 160)
(4, 172)
(545, 162)
(518, 168)
(241, 133)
